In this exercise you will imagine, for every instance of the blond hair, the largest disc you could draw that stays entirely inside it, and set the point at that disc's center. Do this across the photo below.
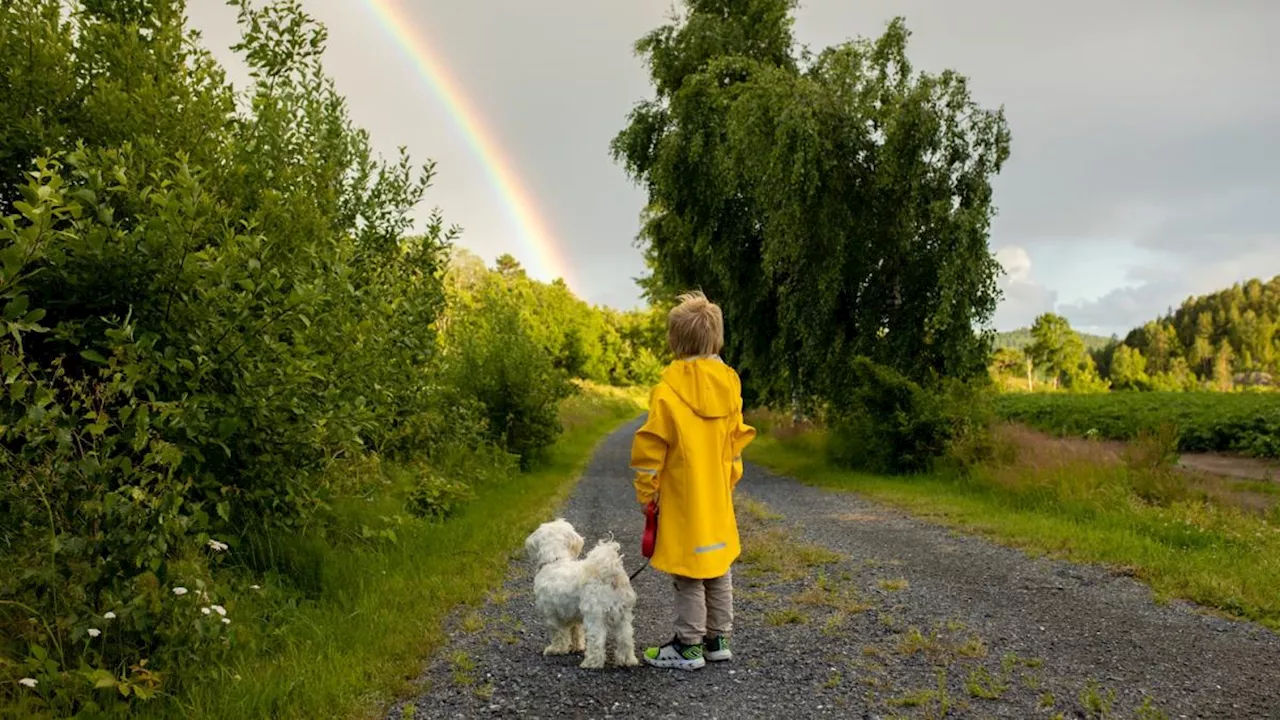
(695, 326)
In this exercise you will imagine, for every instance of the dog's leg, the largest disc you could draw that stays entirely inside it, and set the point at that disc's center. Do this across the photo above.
(624, 649)
(561, 641)
(597, 629)
(579, 638)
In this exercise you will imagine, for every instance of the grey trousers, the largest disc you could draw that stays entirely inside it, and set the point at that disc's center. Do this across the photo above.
(704, 608)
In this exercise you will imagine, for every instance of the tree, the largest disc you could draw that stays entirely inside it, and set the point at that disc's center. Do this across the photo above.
(1129, 369)
(835, 205)
(1243, 316)
(1060, 353)
(1222, 375)
(1008, 362)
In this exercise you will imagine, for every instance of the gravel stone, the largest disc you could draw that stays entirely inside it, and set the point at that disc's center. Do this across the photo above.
(1045, 628)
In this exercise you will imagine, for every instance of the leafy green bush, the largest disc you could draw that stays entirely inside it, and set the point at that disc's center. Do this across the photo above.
(435, 497)
(1245, 423)
(891, 424)
(493, 357)
(204, 308)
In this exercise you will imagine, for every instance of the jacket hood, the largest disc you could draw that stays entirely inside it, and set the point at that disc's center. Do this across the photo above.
(707, 385)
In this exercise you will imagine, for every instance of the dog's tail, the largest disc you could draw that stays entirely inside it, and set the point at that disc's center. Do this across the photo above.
(605, 562)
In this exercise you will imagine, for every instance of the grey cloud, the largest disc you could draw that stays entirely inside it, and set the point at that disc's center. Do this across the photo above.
(1145, 124)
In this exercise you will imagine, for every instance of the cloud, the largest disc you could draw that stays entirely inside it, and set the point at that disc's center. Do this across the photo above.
(1162, 287)
(1023, 298)
(1143, 150)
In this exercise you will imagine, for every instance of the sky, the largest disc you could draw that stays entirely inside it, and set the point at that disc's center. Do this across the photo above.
(1145, 161)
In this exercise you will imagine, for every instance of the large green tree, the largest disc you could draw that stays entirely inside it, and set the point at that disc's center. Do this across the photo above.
(836, 205)
(1060, 353)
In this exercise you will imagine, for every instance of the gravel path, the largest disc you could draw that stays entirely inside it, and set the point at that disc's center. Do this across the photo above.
(849, 609)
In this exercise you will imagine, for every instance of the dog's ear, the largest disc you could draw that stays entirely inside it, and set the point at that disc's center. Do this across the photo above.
(576, 542)
(532, 542)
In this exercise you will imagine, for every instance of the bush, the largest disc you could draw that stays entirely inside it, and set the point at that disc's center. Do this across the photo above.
(204, 309)
(492, 356)
(1151, 466)
(436, 498)
(891, 424)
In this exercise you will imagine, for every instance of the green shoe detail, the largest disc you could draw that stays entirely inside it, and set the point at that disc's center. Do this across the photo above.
(717, 649)
(675, 655)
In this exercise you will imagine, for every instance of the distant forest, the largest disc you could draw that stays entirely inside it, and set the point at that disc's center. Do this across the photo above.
(1021, 339)
(1218, 341)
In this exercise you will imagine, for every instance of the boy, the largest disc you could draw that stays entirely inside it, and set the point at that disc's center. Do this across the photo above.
(688, 458)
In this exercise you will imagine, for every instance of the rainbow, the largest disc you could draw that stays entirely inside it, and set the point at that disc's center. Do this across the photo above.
(519, 201)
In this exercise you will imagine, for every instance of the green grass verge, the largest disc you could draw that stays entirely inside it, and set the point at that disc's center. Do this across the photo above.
(362, 643)
(1219, 557)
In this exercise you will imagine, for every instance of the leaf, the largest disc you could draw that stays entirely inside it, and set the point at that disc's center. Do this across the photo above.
(93, 356)
(16, 308)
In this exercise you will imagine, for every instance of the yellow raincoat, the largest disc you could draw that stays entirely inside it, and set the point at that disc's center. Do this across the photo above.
(688, 455)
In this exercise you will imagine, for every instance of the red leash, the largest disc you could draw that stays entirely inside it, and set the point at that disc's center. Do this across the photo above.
(650, 538)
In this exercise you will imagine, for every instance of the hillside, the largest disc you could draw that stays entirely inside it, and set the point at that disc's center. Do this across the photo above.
(1230, 331)
(1021, 338)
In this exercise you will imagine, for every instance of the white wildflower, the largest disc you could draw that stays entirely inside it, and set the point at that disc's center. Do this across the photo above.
(220, 610)
(226, 621)
(94, 632)
(29, 682)
(108, 615)
(204, 610)
(218, 546)
(179, 591)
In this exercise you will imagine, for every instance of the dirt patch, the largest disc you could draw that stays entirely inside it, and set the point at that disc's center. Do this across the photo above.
(1231, 466)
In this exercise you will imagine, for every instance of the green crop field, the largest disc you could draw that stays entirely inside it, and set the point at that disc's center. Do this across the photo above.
(1245, 423)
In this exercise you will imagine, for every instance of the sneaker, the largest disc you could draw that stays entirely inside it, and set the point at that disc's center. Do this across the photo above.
(718, 649)
(675, 655)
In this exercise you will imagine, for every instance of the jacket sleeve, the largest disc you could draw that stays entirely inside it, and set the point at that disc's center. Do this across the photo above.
(649, 449)
(743, 434)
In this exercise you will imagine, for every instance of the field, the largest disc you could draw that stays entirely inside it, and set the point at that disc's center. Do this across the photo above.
(1244, 423)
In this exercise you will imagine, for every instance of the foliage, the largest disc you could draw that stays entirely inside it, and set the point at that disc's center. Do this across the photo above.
(1218, 335)
(1246, 423)
(436, 497)
(1021, 339)
(492, 356)
(1060, 353)
(891, 424)
(376, 606)
(588, 343)
(209, 306)
(1129, 369)
(836, 205)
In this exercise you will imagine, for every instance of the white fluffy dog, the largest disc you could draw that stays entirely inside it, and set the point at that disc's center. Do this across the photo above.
(571, 594)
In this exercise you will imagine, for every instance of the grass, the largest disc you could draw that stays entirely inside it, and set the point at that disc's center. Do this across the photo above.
(935, 703)
(1083, 510)
(775, 551)
(785, 616)
(361, 641)
(982, 684)
(1097, 701)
